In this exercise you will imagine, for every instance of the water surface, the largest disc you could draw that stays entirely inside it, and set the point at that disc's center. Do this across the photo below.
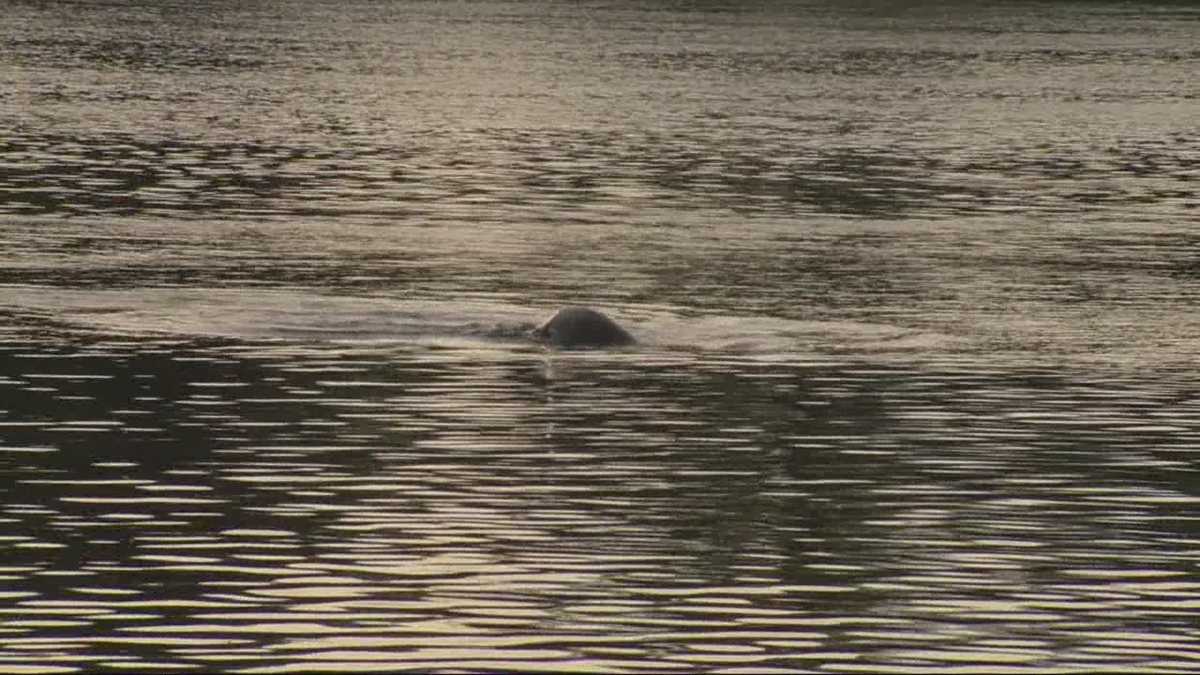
(913, 288)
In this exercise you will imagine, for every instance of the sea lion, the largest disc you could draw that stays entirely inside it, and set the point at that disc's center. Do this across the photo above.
(580, 327)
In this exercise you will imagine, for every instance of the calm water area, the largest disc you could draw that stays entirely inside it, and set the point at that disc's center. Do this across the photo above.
(914, 287)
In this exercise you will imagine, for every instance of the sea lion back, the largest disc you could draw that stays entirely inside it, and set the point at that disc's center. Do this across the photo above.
(575, 327)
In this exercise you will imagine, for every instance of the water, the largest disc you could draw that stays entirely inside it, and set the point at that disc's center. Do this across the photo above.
(915, 387)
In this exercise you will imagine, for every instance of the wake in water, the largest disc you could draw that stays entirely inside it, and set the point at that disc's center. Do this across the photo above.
(258, 314)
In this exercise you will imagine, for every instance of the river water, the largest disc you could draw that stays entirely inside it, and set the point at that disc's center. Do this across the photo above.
(914, 288)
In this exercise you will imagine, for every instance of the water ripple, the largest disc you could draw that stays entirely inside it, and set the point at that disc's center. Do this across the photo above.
(913, 292)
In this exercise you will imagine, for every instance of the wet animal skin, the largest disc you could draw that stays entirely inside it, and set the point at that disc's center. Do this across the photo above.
(579, 328)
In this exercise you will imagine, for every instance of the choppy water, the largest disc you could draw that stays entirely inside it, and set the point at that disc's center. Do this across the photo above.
(914, 289)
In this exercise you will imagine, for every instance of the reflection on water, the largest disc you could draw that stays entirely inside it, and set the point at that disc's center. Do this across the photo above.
(442, 176)
(234, 505)
(913, 289)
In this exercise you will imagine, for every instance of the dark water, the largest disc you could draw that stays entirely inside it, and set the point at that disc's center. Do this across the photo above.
(914, 288)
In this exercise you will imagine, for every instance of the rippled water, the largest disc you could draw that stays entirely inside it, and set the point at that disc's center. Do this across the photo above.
(914, 290)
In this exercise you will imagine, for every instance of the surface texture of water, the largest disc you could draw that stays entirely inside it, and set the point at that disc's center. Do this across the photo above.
(914, 291)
